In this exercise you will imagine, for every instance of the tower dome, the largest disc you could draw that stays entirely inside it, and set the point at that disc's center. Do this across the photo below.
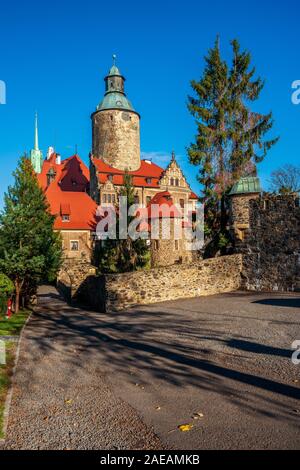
(116, 125)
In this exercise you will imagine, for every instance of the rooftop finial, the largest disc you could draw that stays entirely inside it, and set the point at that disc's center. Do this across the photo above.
(114, 59)
(173, 155)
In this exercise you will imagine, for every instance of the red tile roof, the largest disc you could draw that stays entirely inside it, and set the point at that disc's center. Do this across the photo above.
(72, 174)
(193, 196)
(67, 198)
(147, 175)
(79, 206)
(163, 202)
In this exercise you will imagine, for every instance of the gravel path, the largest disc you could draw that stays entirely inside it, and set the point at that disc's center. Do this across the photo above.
(89, 381)
(60, 398)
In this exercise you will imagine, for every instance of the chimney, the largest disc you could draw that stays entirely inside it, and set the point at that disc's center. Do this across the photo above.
(50, 152)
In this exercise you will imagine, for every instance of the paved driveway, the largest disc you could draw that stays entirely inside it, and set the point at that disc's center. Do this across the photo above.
(226, 357)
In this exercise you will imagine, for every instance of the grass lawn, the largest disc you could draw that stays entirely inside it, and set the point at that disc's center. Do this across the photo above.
(11, 327)
(14, 325)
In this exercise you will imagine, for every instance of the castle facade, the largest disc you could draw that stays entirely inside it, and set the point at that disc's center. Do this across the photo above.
(74, 191)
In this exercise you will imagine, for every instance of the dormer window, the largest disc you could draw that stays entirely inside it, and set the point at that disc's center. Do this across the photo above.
(110, 177)
(65, 212)
(148, 180)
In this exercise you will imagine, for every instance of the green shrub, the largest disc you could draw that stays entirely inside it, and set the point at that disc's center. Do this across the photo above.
(6, 286)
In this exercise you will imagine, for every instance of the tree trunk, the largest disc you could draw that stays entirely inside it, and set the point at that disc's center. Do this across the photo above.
(18, 287)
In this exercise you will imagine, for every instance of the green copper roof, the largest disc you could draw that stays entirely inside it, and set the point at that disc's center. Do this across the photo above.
(115, 97)
(114, 71)
(247, 184)
(113, 100)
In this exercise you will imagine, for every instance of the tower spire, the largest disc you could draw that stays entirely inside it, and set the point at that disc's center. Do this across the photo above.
(36, 155)
(36, 132)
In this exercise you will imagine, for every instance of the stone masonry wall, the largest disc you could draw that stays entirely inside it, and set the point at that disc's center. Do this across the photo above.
(73, 276)
(271, 248)
(116, 292)
(116, 138)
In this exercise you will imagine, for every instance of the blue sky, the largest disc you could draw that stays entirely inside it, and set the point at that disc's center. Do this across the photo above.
(54, 56)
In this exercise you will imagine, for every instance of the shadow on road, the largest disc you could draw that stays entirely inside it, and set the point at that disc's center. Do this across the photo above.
(163, 345)
(292, 302)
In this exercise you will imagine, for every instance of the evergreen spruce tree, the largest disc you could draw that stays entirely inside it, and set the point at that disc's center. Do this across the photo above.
(30, 251)
(230, 138)
(124, 255)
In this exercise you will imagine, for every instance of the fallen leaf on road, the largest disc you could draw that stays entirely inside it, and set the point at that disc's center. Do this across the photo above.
(158, 408)
(198, 415)
(68, 401)
(185, 427)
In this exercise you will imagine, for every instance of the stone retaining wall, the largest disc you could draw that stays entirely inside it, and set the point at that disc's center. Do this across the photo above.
(111, 293)
(271, 248)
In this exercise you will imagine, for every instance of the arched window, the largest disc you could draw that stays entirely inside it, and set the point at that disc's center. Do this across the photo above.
(172, 181)
(177, 182)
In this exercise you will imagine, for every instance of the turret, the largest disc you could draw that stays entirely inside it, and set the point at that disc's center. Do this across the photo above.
(116, 126)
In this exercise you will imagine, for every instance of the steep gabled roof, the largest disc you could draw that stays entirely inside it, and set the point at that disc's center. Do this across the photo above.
(66, 194)
(78, 205)
(69, 171)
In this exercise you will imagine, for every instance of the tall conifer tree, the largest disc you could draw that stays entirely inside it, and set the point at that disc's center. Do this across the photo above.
(230, 138)
(30, 251)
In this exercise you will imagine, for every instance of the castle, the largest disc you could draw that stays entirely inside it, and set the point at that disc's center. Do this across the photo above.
(74, 191)
(265, 228)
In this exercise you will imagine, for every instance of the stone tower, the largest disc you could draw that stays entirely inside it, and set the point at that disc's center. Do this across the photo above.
(243, 191)
(36, 156)
(116, 126)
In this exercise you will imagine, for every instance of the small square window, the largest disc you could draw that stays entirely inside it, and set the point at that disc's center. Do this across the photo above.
(65, 218)
(74, 245)
(148, 180)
